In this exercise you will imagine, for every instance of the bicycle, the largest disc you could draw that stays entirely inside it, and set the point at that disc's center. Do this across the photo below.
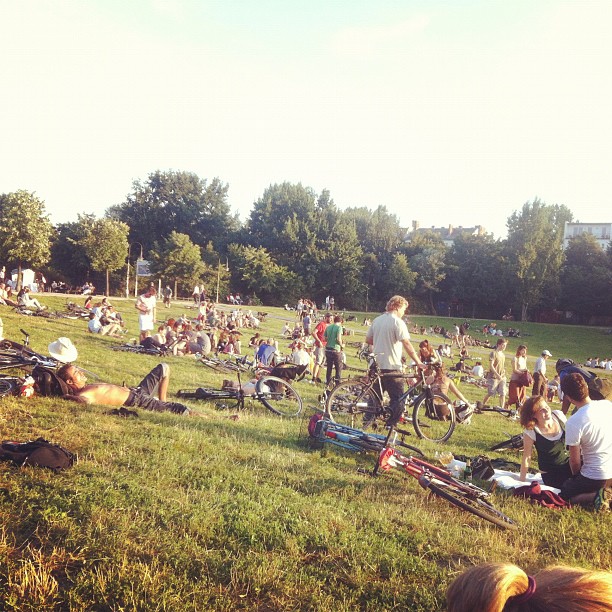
(440, 482)
(512, 443)
(433, 414)
(507, 412)
(276, 394)
(14, 355)
(325, 430)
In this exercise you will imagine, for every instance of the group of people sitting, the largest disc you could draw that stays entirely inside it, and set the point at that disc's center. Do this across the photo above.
(596, 362)
(104, 319)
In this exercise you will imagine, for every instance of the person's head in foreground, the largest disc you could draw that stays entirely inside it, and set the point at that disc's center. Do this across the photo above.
(503, 587)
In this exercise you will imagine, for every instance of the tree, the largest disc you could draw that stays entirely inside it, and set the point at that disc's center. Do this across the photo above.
(586, 278)
(428, 261)
(106, 245)
(25, 230)
(69, 259)
(535, 238)
(177, 201)
(177, 258)
(400, 278)
(477, 275)
(259, 273)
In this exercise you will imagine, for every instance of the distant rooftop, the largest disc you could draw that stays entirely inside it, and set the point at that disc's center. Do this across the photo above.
(447, 234)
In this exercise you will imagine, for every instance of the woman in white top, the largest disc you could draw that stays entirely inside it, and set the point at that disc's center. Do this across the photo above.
(545, 429)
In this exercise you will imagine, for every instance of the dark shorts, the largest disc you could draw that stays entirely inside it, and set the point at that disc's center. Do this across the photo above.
(143, 395)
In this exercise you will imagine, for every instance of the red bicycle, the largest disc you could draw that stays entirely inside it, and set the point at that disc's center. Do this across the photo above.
(440, 482)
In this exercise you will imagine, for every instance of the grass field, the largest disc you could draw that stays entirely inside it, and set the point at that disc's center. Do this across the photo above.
(172, 513)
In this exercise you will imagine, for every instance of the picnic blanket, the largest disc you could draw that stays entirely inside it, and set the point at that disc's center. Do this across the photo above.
(533, 489)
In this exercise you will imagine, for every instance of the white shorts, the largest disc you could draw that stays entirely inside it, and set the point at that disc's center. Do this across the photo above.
(146, 322)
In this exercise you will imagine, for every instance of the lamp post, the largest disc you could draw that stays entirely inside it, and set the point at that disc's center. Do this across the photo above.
(219, 275)
(127, 274)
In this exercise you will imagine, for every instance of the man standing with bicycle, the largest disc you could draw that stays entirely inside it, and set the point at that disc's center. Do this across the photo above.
(388, 336)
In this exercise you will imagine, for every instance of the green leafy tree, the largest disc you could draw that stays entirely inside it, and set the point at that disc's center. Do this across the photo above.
(260, 274)
(428, 259)
(535, 238)
(477, 275)
(69, 260)
(25, 230)
(586, 279)
(177, 201)
(179, 259)
(401, 280)
(106, 245)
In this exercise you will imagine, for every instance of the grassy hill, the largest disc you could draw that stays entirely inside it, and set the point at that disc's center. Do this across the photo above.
(209, 513)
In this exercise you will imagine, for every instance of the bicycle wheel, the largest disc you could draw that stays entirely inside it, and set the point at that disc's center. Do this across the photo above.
(278, 396)
(433, 417)
(475, 505)
(351, 403)
(9, 385)
(512, 443)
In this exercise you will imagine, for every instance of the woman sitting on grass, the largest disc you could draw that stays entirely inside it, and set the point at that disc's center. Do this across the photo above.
(545, 429)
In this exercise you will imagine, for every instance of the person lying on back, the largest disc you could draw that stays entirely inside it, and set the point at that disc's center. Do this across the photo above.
(155, 383)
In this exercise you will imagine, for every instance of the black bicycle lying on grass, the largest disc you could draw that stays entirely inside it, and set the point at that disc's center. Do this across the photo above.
(276, 394)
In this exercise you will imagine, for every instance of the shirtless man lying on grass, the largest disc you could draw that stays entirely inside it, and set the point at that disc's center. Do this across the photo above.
(155, 383)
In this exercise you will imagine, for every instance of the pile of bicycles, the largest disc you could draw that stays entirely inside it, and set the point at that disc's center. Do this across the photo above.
(438, 481)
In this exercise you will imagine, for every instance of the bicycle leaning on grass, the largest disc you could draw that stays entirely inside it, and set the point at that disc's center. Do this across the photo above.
(362, 402)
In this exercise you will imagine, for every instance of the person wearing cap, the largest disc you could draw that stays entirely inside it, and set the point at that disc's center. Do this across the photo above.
(539, 374)
(63, 350)
(150, 394)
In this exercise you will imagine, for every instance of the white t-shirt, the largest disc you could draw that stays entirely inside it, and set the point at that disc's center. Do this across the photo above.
(478, 371)
(531, 433)
(591, 429)
(300, 357)
(146, 318)
(388, 332)
(540, 366)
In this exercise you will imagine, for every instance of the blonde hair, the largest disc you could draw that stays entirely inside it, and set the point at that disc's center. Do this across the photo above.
(396, 302)
(489, 587)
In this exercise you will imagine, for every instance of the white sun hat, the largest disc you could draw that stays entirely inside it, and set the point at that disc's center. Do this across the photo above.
(63, 350)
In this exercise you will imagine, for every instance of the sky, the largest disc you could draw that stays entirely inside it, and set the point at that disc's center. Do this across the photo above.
(451, 112)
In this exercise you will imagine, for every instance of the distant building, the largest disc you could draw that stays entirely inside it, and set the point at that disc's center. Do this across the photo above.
(448, 235)
(600, 231)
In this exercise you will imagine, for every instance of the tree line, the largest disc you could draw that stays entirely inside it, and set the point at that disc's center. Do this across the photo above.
(298, 243)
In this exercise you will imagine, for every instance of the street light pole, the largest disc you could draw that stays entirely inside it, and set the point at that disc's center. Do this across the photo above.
(219, 275)
(127, 274)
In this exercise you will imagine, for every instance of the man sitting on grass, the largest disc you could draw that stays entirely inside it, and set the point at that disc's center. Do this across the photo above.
(143, 396)
(589, 438)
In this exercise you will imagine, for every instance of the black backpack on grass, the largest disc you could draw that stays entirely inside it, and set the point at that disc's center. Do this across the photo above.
(48, 383)
(38, 453)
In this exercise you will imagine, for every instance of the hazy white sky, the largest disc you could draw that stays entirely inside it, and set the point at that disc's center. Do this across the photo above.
(447, 112)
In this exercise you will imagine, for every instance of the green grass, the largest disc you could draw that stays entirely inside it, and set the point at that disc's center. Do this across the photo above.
(171, 513)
